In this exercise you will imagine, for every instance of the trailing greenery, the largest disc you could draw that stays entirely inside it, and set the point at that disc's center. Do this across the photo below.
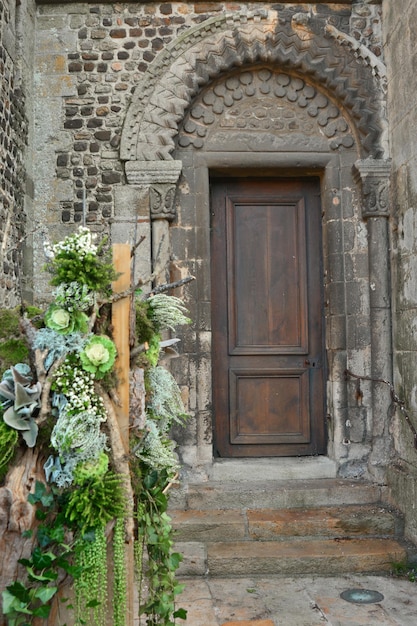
(91, 585)
(156, 535)
(51, 557)
(119, 574)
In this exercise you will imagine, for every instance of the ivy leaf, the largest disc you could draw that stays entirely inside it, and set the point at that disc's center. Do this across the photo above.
(27, 533)
(36, 496)
(150, 479)
(92, 604)
(47, 576)
(40, 515)
(19, 591)
(44, 594)
(174, 561)
(42, 611)
(181, 613)
(11, 604)
(43, 536)
(41, 560)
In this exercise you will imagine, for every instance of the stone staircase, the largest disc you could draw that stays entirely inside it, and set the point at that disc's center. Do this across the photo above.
(323, 526)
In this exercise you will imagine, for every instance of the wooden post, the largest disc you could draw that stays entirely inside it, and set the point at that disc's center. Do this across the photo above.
(120, 322)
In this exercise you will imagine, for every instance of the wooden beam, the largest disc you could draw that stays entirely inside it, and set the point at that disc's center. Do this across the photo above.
(120, 321)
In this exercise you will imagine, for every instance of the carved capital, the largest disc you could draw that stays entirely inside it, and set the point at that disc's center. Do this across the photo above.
(161, 201)
(160, 178)
(374, 178)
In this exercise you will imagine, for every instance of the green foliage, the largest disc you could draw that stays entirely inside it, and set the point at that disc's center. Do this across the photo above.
(156, 535)
(91, 469)
(96, 502)
(91, 585)
(119, 574)
(406, 570)
(52, 557)
(144, 326)
(154, 350)
(8, 443)
(79, 260)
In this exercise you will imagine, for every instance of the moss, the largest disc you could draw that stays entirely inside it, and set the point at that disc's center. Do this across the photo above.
(9, 322)
(13, 351)
(9, 438)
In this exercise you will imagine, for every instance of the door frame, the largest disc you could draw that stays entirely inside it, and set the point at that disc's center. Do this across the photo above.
(339, 200)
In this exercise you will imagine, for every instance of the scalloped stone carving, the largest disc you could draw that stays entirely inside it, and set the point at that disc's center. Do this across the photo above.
(218, 46)
(281, 106)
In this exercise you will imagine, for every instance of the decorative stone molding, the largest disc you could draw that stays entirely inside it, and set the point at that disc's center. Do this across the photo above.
(219, 45)
(160, 178)
(374, 176)
(161, 201)
(265, 101)
(149, 172)
(361, 52)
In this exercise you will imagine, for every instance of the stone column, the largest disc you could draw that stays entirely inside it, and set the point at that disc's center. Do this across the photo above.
(373, 176)
(158, 180)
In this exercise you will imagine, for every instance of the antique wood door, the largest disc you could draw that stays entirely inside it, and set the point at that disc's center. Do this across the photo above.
(268, 357)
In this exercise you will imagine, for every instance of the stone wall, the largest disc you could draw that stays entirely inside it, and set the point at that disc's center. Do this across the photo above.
(16, 44)
(401, 55)
(89, 60)
(92, 61)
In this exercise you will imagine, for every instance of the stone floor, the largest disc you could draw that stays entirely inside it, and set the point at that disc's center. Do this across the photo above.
(309, 601)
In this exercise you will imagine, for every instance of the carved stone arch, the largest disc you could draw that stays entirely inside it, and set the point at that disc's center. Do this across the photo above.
(327, 57)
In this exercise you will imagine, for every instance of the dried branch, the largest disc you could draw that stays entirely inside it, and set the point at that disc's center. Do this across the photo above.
(174, 285)
(136, 245)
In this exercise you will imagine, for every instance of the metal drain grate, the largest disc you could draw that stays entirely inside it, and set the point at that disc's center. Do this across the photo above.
(362, 596)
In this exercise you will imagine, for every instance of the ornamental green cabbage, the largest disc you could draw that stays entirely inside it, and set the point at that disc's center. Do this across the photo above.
(98, 355)
(65, 322)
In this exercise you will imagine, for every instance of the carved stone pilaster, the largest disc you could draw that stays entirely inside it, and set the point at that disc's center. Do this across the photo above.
(373, 176)
(160, 178)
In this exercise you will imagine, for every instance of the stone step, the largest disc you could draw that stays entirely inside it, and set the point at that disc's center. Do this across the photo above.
(275, 494)
(290, 558)
(279, 524)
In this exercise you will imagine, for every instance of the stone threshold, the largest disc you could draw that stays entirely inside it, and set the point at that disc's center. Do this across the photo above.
(273, 468)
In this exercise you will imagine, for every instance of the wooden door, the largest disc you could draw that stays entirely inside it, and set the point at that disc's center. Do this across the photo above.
(268, 396)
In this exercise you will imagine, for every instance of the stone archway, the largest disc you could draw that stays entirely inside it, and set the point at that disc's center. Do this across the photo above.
(334, 89)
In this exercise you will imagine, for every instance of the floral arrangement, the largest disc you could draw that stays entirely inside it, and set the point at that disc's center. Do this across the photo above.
(60, 402)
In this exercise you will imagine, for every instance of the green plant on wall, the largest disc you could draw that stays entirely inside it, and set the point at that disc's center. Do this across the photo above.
(54, 397)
